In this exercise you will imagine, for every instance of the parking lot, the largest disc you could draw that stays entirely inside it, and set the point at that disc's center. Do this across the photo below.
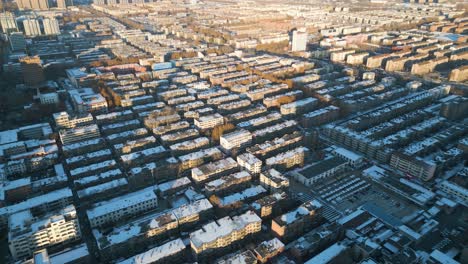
(348, 191)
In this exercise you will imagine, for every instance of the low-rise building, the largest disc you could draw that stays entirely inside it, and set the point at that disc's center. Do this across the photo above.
(250, 163)
(269, 205)
(296, 222)
(236, 139)
(268, 249)
(288, 159)
(209, 121)
(78, 134)
(170, 252)
(222, 233)
(117, 209)
(27, 234)
(65, 120)
(228, 183)
(197, 158)
(273, 180)
(213, 169)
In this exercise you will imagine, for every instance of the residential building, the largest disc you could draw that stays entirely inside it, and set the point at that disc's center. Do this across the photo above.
(197, 158)
(8, 22)
(270, 204)
(78, 134)
(236, 139)
(27, 234)
(122, 207)
(296, 222)
(223, 232)
(209, 121)
(32, 27)
(273, 180)
(413, 166)
(228, 183)
(250, 163)
(51, 26)
(268, 249)
(288, 159)
(213, 169)
(170, 252)
(65, 120)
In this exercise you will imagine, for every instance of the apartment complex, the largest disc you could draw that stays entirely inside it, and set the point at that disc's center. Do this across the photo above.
(28, 234)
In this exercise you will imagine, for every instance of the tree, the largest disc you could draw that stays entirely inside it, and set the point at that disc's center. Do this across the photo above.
(218, 131)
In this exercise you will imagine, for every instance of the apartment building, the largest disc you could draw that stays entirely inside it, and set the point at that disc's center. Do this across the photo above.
(170, 252)
(41, 204)
(190, 145)
(228, 183)
(78, 134)
(83, 147)
(296, 222)
(236, 139)
(122, 207)
(454, 189)
(270, 204)
(65, 120)
(412, 166)
(223, 232)
(143, 156)
(213, 169)
(130, 238)
(289, 158)
(197, 158)
(28, 234)
(268, 249)
(86, 100)
(268, 148)
(114, 117)
(321, 116)
(250, 163)
(273, 180)
(299, 107)
(209, 121)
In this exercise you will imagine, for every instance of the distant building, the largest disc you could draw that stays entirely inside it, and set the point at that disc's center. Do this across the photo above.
(8, 22)
(33, 73)
(17, 41)
(299, 41)
(51, 26)
(33, 4)
(64, 3)
(48, 97)
(236, 139)
(455, 109)
(31, 27)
